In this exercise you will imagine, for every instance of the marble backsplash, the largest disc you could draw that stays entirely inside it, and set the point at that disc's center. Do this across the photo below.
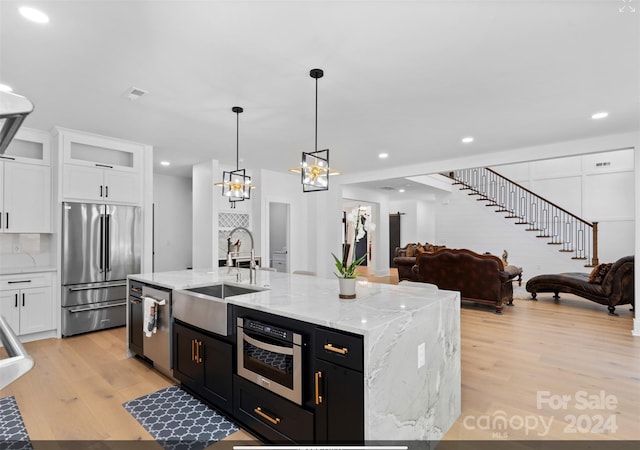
(26, 250)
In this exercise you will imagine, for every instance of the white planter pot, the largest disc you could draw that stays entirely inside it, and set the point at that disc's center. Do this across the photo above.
(347, 288)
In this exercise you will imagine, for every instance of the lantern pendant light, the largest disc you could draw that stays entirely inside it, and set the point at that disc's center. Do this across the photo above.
(236, 184)
(314, 170)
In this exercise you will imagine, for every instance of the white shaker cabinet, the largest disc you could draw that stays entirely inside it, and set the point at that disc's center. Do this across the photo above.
(26, 303)
(25, 184)
(100, 169)
(100, 185)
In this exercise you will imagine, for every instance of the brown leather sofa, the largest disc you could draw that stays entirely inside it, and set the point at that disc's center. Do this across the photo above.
(406, 257)
(478, 278)
(608, 284)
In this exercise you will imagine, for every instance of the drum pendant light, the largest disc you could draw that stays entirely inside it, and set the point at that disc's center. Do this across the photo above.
(314, 170)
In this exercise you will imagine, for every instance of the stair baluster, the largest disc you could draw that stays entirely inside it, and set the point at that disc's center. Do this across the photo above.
(562, 228)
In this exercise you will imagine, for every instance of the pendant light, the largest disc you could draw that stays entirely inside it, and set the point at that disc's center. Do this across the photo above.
(236, 184)
(314, 170)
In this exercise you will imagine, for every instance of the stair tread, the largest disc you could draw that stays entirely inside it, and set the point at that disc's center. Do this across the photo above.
(532, 229)
(544, 236)
(554, 243)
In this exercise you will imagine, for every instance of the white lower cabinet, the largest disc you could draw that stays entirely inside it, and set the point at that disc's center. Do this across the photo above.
(26, 303)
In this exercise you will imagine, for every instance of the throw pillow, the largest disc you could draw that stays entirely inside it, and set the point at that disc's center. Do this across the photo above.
(419, 251)
(411, 250)
(599, 272)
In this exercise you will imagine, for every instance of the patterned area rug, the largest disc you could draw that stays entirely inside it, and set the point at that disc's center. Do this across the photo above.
(13, 434)
(179, 421)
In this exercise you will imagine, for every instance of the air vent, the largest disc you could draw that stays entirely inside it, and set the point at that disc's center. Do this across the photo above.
(603, 164)
(135, 93)
(387, 188)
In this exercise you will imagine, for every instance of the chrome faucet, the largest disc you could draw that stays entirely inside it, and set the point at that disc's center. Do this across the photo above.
(252, 260)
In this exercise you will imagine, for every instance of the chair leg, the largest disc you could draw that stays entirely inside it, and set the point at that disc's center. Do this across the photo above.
(534, 295)
(612, 311)
(556, 296)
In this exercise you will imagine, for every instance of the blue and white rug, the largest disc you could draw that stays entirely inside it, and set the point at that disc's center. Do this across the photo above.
(179, 421)
(13, 434)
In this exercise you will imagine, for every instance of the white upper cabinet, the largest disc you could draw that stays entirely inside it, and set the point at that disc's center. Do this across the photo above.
(25, 184)
(100, 169)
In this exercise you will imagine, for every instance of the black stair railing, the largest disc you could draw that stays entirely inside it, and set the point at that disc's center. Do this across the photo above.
(562, 228)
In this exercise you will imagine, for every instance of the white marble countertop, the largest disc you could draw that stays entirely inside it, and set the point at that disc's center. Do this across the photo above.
(312, 299)
(394, 321)
(20, 270)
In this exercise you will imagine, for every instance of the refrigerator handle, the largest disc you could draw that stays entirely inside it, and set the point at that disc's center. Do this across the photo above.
(107, 246)
(101, 257)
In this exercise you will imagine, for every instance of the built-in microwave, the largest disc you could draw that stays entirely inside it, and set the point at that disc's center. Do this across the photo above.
(271, 357)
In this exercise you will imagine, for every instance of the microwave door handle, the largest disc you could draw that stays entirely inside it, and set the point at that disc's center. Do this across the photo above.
(269, 347)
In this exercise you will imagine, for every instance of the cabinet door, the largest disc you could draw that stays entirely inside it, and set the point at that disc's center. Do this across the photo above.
(82, 183)
(186, 367)
(36, 312)
(339, 404)
(218, 369)
(10, 308)
(27, 198)
(136, 319)
(121, 187)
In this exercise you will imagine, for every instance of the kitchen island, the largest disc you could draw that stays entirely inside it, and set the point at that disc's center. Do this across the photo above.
(411, 341)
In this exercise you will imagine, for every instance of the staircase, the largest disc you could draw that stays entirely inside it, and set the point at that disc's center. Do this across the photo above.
(569, 232)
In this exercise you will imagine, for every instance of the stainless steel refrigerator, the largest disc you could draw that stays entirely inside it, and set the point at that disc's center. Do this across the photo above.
(101, 245)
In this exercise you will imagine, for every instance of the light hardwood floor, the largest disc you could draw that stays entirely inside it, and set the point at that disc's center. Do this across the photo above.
(79, 384)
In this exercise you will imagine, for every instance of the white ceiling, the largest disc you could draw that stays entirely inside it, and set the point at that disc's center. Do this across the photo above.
(409, 78)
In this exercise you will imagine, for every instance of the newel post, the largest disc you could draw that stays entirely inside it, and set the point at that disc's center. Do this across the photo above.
(594, 260)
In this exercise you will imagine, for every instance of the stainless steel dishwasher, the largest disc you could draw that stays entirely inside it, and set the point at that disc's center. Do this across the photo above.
(157, 347)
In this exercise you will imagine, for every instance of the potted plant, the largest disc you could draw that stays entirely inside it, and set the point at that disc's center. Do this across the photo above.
(346, 270)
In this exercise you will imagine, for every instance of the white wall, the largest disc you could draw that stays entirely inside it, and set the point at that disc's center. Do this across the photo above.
(203, 226)
(597, 187)
(601, 194)
(173, 219)
(417, 224)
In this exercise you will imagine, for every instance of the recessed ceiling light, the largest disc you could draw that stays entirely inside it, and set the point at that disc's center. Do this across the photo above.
(165, 163)
(33, 14)
(5, 88)
(600, 115)
(383, 155)
(400, 190)
(467, 139)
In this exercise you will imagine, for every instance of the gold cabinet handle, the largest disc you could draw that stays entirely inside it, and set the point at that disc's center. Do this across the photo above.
(318, 377)
(198, 355)
(331, 348)
(262, 414)
(193, 349)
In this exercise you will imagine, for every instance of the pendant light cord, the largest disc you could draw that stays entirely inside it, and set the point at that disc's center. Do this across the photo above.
(316, 114)
(237, 140)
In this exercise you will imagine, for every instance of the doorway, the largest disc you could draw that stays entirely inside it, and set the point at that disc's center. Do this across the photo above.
(279, 236)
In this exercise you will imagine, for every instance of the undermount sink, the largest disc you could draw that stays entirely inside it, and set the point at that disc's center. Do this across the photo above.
(223, 290)
(203, 306)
